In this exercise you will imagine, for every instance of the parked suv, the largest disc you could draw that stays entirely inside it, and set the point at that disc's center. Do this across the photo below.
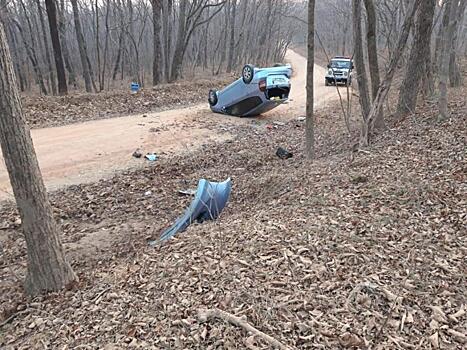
(339, 71)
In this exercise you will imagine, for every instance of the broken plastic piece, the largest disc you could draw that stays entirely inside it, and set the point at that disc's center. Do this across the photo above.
(283, 153)
(210, 199)
(151, 157)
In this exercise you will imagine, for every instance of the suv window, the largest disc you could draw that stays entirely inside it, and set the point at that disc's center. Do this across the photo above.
(340, 64)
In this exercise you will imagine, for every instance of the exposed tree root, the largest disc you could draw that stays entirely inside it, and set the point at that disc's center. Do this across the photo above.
(206, 315)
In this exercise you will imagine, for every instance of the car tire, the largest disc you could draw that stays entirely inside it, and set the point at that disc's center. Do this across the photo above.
(326, 82)
(248, 73)
(212, 97)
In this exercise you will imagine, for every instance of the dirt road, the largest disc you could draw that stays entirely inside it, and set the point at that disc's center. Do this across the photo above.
(92, 150)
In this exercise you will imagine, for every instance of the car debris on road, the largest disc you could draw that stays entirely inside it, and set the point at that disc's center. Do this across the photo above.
(210, 199)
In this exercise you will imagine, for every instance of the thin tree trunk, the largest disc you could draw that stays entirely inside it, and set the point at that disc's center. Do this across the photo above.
(98, 48)
(310, 122)
(52, 15)
(82, 47)
(373, 57)
(233, 9)
(48, 269)
(63, 42)
(448, 35)
(455, 75)
(386, 84)
(181, 34)
(157, 56)
(419, 52)
(106, 47)
(46, 49)
(120, 41)
(362, 79)
(30, 50)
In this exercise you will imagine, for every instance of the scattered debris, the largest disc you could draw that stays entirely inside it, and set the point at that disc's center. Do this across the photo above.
(278, 123)
(210, 200)
(187, 192)
(206, 315)
(152, 157)
(301, 119)
(283, 153)
(137, 154)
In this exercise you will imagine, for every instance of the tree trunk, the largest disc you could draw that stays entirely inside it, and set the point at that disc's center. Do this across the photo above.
(121, 40)
(233, 9)
(373, 57)
(362, 79)
(52, 15)
(46, 48)
(82, 47)
(181, 34)
(30, 50)
(419, 52)
(446, 40)
(310, 122)
(65, 52)
(383, 90)
(48, 269)
(455, 75)
(157, 56)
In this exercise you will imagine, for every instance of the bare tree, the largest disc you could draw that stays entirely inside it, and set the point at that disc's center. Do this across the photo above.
(52, 15)
(418, 55)
(446, 42)
(310, 122)
(190, 17)
(368, 125)
(82, 47)
(48, 269)
(455, 76)
(46, 48)
(157, 59)
(373, 56)
(233, 14)
(359, 59)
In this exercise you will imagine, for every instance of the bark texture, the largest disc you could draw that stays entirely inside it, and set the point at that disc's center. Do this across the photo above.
(362, 79)
(446, 43)
(157, 47)
(310, 122)
(383, 90)
(82, 47)
(52, 16)
(417, 60)
(373, 56)
(48, 269)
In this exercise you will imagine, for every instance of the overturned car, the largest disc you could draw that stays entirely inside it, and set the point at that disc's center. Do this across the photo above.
(258, 90)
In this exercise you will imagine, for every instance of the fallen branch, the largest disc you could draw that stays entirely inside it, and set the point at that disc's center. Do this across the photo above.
(206, 315)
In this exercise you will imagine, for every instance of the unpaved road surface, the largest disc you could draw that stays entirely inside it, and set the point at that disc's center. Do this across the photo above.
(93, 150)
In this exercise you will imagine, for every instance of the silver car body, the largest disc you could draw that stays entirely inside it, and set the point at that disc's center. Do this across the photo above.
(268, 89)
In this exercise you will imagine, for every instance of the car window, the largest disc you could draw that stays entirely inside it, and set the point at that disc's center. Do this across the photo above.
(340, 64)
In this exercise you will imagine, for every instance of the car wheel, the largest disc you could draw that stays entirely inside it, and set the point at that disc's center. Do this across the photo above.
(248, 73)
(326, 82)
(212, 98)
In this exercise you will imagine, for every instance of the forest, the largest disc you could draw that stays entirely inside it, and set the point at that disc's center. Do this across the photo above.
(233, 174)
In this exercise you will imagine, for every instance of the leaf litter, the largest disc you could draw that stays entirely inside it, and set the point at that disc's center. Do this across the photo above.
(311, 255)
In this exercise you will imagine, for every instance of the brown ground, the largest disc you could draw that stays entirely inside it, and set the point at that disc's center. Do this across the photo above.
(340, 253)
(92, 150)
(48, 111)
